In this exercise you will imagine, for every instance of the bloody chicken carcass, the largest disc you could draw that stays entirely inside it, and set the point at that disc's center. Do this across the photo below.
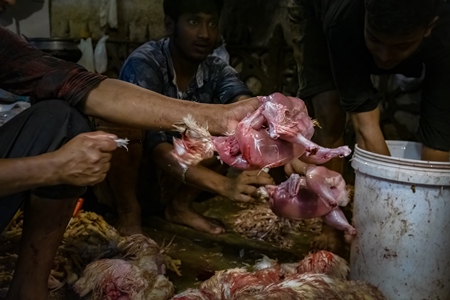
(277, 132)
(137, 274)
(320, 275)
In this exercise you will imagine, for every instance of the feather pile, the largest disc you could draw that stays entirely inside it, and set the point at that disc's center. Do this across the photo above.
(261, 223)
(137, 273)
(320, 275)
(96, 261)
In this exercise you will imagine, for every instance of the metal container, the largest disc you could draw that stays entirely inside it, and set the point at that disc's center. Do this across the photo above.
(402, 216)
(62, 48)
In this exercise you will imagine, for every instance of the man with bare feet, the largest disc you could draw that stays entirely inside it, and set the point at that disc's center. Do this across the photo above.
(180, 66)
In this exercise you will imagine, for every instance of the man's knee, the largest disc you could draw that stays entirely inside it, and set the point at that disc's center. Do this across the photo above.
(42, 128)
(59, 114)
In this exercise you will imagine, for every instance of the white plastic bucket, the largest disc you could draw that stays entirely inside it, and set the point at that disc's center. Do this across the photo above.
(402, 217)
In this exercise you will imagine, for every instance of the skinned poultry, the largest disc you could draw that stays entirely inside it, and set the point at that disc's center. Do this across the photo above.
(317, 194)
(277, 132)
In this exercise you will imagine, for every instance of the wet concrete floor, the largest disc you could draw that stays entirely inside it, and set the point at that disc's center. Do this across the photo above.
(201, 254)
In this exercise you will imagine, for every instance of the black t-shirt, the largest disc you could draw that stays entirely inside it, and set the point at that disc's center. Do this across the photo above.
(352, 66)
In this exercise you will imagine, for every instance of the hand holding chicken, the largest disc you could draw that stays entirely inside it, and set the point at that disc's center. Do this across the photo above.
(274, 134)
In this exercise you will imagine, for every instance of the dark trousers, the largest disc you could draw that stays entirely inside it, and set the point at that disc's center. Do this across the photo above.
(42, 128)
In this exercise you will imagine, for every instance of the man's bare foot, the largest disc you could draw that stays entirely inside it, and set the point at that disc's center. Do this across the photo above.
(189, 217)
(129, 224)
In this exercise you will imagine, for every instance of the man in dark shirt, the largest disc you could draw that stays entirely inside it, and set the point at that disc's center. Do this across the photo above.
(339, 44)
(48, 156)
(180, 66)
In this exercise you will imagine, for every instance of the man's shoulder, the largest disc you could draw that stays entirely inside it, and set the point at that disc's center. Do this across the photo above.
(152, 50)
(149, 56)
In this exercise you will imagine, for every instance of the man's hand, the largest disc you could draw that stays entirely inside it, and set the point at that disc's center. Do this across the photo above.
(244, 187)
(295, 166)
(235, 112)
(85, 159)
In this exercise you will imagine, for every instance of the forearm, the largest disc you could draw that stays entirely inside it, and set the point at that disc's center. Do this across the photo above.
(368, 132)
(434, 155)
(197, 176)
(206, 179)
(21, 174)
(372, 141)
(129, 105)
(240, 98)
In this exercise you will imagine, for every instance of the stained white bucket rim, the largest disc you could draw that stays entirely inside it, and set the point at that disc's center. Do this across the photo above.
(434, 165)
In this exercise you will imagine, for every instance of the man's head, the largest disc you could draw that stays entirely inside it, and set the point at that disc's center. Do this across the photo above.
(394, 30)
(5, 3)
(193, 26)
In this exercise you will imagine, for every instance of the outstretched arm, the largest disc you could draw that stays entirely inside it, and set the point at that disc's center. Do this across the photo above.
(24, 70)
(132, 106)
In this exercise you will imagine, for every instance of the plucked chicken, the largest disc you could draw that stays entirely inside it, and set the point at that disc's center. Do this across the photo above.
(277, 132)
(317, 194)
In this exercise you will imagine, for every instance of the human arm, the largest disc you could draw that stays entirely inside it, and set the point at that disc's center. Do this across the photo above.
(242, 188)
(240, 98)
(368, 132)
(24, 70)
(84, 160)
(136, 107)
(434, 155)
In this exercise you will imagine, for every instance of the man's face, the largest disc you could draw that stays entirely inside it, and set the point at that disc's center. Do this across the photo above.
(196, 35)
(5, 3)
(390, 50)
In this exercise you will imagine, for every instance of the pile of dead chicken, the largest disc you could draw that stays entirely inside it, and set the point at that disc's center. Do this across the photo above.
(95, 261)
(321, 275)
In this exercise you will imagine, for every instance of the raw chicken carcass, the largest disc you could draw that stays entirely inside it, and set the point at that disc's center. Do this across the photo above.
(287, 119)
(320, 275)
(317, 194)
(313, 286)
(137, 275)
(324, 262)
(277, 132)
(233, 282)
(113, 279)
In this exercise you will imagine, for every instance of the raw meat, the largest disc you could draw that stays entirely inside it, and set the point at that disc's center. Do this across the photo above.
(317, 194)
(321, 275)
(137, 273)
(277, 132)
